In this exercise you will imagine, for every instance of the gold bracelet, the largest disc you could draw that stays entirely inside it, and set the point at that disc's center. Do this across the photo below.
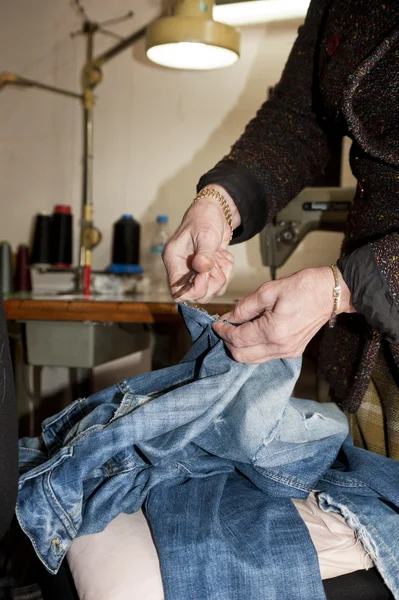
(336, 296)
(211, 193)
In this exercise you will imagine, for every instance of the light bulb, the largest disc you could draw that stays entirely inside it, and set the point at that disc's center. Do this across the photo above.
(252, 12)
(192, 55)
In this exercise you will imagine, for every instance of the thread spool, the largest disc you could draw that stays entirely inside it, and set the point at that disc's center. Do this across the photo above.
(6, 270)
(126, 241)
(61, 236)
(41, 248)
(23, 281)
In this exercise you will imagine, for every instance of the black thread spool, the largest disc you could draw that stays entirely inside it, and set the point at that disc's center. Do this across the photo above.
(126, 241)
(6, 269)
(61, 237)
(41, 247)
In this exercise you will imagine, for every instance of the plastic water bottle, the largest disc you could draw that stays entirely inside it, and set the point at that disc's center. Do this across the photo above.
(158, 276)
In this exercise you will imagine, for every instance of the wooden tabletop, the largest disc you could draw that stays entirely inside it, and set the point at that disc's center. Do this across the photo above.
(138, 309)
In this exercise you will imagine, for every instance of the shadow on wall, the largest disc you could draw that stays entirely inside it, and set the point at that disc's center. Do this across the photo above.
(180, 188)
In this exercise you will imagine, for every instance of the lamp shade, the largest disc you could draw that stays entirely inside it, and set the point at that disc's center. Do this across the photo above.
(191, 39)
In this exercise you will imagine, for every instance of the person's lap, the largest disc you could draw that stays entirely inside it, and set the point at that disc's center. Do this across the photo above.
(122, 562)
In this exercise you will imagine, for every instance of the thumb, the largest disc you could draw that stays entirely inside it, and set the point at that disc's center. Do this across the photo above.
(206, 244)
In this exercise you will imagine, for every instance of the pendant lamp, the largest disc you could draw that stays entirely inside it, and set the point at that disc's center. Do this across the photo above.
(191, 39)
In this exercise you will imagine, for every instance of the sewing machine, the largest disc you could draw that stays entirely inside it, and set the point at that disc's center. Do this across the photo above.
(322, 208)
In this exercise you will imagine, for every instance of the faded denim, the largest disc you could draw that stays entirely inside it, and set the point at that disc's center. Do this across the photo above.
(214, 450)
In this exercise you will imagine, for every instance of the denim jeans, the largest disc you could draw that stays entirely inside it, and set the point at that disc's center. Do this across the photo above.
(214, 450)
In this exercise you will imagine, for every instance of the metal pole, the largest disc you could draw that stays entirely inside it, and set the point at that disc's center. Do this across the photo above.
(50, 88)
(118, 48)
(14, 79)
(85, 259)
(92, 77)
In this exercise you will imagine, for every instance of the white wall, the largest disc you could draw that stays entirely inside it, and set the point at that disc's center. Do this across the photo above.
(156, 130)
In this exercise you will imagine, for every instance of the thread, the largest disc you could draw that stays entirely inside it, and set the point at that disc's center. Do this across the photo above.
(6, 270)
(61, 236)
(126, 241)
(41, 248)
(22, 272)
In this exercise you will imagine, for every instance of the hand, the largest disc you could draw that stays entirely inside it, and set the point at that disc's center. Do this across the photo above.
(287, 313)
(196, 258)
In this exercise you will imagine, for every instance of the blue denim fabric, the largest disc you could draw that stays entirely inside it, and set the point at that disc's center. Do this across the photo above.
(214, 449)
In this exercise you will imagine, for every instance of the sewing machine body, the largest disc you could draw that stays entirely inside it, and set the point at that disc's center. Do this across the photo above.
(324, 208)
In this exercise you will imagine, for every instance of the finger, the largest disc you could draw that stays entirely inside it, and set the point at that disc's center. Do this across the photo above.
(175, 260)
(202, 247)
(220, 276)
(243, 336)
(268, 351)
(197, 289)
(206, 243)
(216, 280)
(227, 263)
(203, 262)
(254, 355)
(183, 285)
(253, 305)
(197, 247)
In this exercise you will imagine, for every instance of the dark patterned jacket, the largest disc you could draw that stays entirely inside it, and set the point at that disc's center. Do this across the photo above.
(342, 78)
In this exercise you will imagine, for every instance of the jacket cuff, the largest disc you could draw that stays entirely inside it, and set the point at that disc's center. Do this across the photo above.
(371, 295)
(246, 192)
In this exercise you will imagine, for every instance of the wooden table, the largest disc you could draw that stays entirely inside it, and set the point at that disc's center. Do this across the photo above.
(138, 309)
(47, 317)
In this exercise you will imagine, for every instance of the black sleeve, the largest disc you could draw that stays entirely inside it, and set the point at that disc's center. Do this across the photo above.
(371, 294)
(8, 431)
(246, 192)
(288, 144)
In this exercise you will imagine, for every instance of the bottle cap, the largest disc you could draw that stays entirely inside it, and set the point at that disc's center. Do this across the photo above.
(127, 216)
(63, 209)
(125, 269)
(162, 219)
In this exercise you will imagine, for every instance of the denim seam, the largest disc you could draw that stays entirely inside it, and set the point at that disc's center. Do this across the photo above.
(126, 389)
(33, 542)
(86, 433)
(122, 409)
(34, 450)
(127, 470)
(64, 413)
(160, 390)
(286, 480)
(130, 466)
(62, 456)
(52, 493)
(335, 481)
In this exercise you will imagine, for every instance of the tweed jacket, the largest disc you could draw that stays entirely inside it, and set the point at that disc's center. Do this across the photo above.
(342, 78)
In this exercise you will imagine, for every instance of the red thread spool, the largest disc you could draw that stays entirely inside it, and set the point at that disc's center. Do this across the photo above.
(23, 281)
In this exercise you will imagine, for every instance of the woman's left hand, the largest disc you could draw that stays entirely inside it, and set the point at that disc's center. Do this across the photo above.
(286, 314)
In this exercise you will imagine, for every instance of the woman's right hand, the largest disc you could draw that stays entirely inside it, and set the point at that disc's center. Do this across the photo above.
(196, 258)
